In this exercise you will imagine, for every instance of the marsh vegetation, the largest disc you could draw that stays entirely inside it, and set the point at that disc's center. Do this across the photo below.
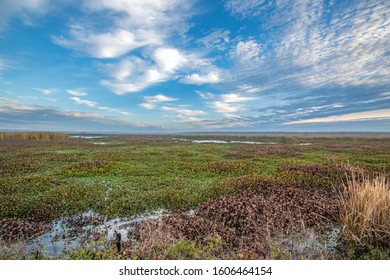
(222, 197)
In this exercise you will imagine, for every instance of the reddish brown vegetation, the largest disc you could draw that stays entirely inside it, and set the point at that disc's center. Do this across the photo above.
(23, 229)
(248, 220)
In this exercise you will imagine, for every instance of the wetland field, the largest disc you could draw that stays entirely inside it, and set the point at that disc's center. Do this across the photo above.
(194, 197)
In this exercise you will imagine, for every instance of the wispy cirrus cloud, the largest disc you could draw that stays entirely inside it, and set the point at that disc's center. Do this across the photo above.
(234, 97)
(152, 101)
(183, 114)
(226, 108)
(24, 9)
(205, 95)
(7, 101)
(367, 115)
(89, 103)
(322, 44)
(46, 91)
(216, 39)
(80, 101)
(113, 110)
(184, 111)
(76, 92)
(51, 118)
(242, 9)
(329, 52)
(351, 50)
(159, 98)
(199, 79)
(227, 104)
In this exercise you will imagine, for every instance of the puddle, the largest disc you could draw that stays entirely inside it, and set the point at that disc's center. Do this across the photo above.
(87, 137)
(100, 143)
(312, 246)
(224, 142)
(332, 237)
(304, 144)
(68, 234)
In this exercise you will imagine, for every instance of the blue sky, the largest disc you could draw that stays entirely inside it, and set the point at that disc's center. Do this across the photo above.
(176, 65)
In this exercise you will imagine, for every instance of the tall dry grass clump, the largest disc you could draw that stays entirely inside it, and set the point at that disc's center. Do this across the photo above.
(365, 209)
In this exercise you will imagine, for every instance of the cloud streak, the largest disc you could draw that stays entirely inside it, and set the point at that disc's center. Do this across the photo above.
(76, 92)
(368, 115)
(50, 118)
(80, 101)
(46, 91)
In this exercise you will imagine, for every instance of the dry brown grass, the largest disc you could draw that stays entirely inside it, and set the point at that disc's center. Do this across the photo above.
(365, 209)
(36, 136)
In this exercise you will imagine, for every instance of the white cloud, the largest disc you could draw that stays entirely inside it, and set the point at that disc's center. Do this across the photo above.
(150, 101)
(135, 74)
(49, 118)
(168, 59)
(368, 115)
(225, 108)
(28, 97)
(83, 101)
(146, 79)
(19, 108)
(210, 78)
(121, 88)
(248, 8)
(184, 111)
(233, 97)
(24, 9)
(307, 111)
(126, 68)
(228, 121)
(350, 51)
(46, 91)
(217, 39)
(205, 95)
(246, 52)
(148, 106)
(134, 24)
(250, 88)
(7, 101)
(230, 103)
(159, 98)
(147, 25)
(105, 45)
(89, 103)
(113, 110)
(76, 92)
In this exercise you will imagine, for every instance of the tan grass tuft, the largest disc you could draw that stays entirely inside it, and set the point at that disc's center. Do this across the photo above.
(365, 209)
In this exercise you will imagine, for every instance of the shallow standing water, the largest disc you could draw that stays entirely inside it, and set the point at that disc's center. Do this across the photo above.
(69, 233)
